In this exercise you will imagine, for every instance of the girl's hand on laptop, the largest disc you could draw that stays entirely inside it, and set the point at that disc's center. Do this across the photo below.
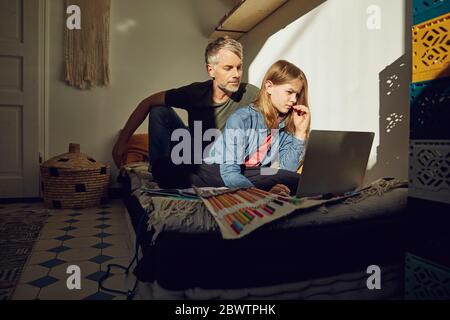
(302, 120)
(280, 189)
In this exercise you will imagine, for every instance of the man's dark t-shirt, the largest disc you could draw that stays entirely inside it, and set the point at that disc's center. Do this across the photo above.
(197, 100)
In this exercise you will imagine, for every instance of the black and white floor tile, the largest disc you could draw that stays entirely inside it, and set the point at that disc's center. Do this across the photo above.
(90, 239)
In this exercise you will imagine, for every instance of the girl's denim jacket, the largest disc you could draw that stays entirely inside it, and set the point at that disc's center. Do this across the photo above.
(244, 132)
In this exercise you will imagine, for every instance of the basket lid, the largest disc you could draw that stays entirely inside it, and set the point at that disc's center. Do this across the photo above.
(74, 159)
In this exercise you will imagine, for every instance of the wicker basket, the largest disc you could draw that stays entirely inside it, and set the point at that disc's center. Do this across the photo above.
(74, 180)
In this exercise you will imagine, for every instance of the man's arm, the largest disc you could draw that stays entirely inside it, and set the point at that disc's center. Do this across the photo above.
(134, 121)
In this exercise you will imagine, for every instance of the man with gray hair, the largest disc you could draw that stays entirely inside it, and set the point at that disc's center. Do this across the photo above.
(210, 102)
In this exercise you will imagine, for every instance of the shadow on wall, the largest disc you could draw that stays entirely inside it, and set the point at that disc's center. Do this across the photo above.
(209, 13)
(394, 116)
(392, 152)
(422, 116)
(288, 13)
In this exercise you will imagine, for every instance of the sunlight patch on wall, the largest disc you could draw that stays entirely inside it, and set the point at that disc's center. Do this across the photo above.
(126, 25)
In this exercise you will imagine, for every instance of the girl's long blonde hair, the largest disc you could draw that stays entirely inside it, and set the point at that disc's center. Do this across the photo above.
(281, 72)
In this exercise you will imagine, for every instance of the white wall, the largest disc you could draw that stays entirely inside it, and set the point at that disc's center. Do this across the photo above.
(155, 45)
(344, 62)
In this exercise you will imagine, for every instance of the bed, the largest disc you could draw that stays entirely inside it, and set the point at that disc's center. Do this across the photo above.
(322, 253)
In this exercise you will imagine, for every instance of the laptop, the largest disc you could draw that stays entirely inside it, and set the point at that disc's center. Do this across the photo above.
(335, 163)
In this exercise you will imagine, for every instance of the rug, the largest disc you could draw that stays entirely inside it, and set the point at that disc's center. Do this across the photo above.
(19, 229)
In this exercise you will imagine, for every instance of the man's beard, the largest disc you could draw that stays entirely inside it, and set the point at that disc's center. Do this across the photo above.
(226, 89)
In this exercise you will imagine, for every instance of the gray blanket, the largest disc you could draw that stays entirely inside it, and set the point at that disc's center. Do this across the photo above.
(383, 197)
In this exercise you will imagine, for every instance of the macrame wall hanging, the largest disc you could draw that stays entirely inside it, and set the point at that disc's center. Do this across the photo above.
(86, 50)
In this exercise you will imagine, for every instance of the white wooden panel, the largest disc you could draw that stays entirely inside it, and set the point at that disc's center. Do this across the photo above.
(11, 24)
(11, 98)
(11, 144)
(11, 74)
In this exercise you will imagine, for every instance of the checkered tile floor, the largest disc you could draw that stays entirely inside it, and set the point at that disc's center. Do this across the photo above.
(89, 238)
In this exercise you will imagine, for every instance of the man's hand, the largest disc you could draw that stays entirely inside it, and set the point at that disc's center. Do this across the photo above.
(119, 152)
(280, 189)
(137, 117)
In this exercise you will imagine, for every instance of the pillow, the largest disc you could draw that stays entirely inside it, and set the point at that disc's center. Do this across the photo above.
(137, 149)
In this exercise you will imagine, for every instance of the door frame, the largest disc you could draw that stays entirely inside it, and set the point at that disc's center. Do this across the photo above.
(44, 88)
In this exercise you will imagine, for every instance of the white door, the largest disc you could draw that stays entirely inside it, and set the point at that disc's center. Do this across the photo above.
(19, 96)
